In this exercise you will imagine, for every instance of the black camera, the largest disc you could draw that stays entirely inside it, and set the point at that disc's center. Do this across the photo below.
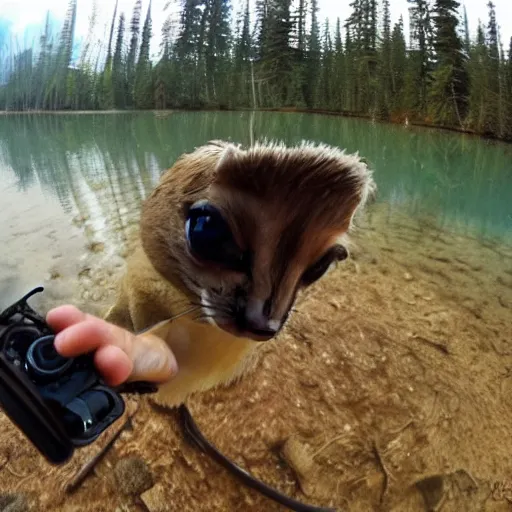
(58, 403)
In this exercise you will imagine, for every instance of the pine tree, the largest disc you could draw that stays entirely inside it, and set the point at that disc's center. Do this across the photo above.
(362, 25)
(338, 75)
(132, 53)
(467, 42)
(313, 59)
(242, 82)
(188, 51)
(324, 87)
(419, 65)
(351, 85)
(398, 69)
(298, 44)
(42, 71)
(118, 67)
(508, 93)
(107, 91)
(449, 89)
(261, 30)
(478, 118)
(143, 89)
(493, 73)
(218, 41)
(386, 89)
(276, 62)
(56, 94)
(510, 60)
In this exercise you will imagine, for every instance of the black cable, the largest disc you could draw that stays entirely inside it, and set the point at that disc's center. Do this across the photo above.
(194, 434)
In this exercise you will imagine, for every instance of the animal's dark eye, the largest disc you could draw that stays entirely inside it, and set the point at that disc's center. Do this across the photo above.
(319, 268)
(210, 238)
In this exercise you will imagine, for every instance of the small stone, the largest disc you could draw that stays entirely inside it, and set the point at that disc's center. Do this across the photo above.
(155, 499)
(96, 247)
(133, 475)
(334, 304)
(408, 277)
(13, 502)
(432, 490)
(97, 296)
(84, 272)
(55, 274)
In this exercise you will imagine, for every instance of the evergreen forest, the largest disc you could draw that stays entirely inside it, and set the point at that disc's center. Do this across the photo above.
(278, 54)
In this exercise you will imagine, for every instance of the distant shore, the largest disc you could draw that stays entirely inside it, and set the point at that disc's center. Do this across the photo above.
(295, 110)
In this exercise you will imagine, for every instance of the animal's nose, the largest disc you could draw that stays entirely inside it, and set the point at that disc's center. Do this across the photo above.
(263, 333)
(257, 321)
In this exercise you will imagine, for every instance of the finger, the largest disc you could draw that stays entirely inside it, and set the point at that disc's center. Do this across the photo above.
(64, 316)
(113, 364)
(89, 335)
(152, 360)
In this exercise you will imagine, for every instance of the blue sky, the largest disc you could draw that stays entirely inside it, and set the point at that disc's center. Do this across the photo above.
(25, 18)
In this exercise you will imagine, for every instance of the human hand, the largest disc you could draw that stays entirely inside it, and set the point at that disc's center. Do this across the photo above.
(119, 355)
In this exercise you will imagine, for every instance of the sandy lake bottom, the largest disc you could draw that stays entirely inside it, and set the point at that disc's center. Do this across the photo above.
(390, 389)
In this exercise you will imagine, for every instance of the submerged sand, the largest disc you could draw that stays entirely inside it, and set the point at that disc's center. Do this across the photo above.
(391, 389)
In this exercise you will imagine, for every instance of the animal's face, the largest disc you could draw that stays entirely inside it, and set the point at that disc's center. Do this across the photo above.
(268, 224)
(250, 265)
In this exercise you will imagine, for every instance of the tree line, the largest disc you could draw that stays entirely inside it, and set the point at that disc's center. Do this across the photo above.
(283, 58)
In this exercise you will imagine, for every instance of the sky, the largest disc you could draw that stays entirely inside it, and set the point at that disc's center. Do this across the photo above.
(23, 14)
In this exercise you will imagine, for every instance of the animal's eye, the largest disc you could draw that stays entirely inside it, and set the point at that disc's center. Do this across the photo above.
(210, 238)
(319, 268)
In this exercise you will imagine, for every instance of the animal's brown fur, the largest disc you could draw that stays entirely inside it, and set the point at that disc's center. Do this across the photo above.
(286, 205)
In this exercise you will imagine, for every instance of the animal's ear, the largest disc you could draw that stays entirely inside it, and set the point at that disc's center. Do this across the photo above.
(341, 253)
(366, 188)
(229, 157)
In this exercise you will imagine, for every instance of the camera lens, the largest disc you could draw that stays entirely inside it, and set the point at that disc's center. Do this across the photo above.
(44, 362)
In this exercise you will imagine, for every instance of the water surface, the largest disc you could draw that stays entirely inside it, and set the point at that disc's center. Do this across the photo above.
(72, 184)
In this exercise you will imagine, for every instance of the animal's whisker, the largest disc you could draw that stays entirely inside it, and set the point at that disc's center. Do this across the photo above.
(207, 316)
(214, 307)
(184, 313)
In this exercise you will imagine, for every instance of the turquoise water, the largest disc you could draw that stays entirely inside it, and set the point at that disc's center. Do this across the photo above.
(72, 184)
(462, 182)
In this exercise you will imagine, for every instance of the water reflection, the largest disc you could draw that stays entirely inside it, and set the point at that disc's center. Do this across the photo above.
(103, 166)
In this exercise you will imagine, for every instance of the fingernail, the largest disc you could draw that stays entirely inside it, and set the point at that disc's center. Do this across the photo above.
(59, 340)
(173, 366)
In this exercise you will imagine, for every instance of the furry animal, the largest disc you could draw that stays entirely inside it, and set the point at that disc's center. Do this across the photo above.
(238, 233)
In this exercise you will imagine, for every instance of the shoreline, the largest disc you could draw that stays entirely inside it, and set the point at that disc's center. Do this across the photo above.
(284, 110)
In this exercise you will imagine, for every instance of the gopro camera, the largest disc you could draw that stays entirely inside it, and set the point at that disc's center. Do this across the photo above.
(58, 403)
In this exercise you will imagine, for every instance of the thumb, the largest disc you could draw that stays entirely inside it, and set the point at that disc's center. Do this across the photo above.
(152, 359)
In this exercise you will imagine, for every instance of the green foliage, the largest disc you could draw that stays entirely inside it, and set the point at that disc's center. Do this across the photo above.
(281, 58)
(448, 93)
(143, 87)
